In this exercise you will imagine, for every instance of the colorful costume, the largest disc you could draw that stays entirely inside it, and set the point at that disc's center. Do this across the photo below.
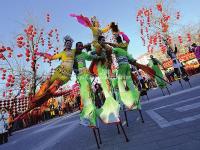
(88, 113)
(109, 112)
(153, 63)
(61, 75)
(94, 26)
(129, 94)
(177, 65)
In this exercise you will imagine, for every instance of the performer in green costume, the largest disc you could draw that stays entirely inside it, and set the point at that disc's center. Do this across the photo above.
(153, 63)
(109, 112)
(129, 94)
(88, 113)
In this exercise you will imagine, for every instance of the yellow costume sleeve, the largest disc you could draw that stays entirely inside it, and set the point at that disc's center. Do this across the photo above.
(106, 29)
(123, 45)
(56, 56)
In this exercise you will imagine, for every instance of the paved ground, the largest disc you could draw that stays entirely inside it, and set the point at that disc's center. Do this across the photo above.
(171, 123)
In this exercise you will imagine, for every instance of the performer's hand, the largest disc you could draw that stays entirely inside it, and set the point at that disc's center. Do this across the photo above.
(133, 62)
(164, 68)
(88, 47)
(39, 54)
(106, 43)
(46, 55)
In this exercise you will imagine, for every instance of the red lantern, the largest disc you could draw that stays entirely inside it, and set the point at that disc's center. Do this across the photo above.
(189, 37)
(159, 7)
(1, 56)
(7, 84)
(155, 40)
(178, 15)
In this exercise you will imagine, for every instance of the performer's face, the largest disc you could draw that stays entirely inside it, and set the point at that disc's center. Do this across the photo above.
(68, 45)
(79, 46)
(96, 24)
(102, 40)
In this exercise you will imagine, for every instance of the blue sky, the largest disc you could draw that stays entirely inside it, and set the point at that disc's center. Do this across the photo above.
(13, 14)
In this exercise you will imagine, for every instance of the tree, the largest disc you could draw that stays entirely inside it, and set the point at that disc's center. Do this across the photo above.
(157, 22)
(20, 63)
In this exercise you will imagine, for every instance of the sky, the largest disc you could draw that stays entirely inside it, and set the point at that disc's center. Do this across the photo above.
(15, 13)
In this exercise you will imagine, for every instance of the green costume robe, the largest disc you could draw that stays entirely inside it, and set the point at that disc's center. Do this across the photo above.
(88, 113)
(109, 112)
(153, 63)
(129, 94)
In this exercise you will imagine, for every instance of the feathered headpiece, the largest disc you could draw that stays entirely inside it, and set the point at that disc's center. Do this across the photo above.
(68, 38)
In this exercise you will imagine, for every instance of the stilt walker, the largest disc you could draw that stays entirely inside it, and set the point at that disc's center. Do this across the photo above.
(177, 65)
(61, 75)
(109, 112)
(153, 63)
(88, 113)
(88, 116)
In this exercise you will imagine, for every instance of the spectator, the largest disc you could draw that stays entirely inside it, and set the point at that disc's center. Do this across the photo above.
(179, 69)
(3, 126)
(99, 96)
(10, 122)
(196, 50)
(52, 110)
(60, 111)
(78, 101)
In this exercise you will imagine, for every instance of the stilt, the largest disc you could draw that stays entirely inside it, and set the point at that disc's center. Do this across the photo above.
(168, 90)
(96, 138)
(125, 114)
(180, 83)
(141, 116)
(118, 131)
(147, 97)
(162, 92)
(189, 83)
(99, 135)
(127, 140)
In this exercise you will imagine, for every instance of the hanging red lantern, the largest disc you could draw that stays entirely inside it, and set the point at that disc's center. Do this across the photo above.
(155, 40)
(163, 49)
(178, 15)
(159, 7)
(189, 37)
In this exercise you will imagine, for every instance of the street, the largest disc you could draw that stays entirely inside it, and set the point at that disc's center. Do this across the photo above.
(172, 122)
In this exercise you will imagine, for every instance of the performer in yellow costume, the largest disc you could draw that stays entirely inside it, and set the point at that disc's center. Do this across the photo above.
(94, 26)
(61, 75)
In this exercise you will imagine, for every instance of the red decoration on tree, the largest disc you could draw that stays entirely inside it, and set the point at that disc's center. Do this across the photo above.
(48, 18)
(178, 15)
(189, 37)
(159, 7)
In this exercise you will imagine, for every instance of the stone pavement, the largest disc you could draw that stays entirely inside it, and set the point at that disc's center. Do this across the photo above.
(172, 122)
(173, 125)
